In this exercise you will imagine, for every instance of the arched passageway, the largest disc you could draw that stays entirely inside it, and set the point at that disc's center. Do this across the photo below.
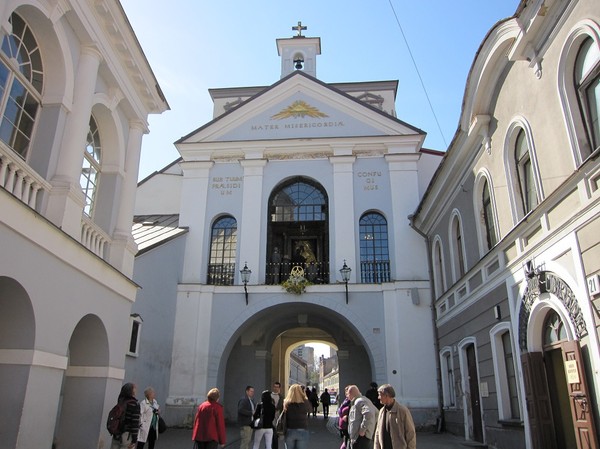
(84, 384)
(17, 337)
(258, 353)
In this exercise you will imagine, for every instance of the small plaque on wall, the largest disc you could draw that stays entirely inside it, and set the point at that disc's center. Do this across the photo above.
(484, 390)
(572, 372)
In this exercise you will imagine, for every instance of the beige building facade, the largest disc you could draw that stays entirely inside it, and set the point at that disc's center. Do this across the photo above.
(512, 221)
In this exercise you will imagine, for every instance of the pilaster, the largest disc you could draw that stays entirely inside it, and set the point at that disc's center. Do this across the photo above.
(410, 254)
(344, 234)
(123, 248)
(252, 217)
(65, 204)
(194, 194)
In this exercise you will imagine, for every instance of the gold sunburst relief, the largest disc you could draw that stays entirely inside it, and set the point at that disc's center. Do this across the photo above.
(299, 108)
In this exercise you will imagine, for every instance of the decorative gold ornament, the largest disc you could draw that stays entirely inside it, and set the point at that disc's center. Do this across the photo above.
(296, 283)
(299, 108)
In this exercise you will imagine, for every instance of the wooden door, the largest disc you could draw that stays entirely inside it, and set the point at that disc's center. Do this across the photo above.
(537, 400)
(579, 399)
(474, 390)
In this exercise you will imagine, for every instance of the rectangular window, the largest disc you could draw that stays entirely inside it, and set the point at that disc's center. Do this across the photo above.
(448, 388)
(134, 340)
(511, 378)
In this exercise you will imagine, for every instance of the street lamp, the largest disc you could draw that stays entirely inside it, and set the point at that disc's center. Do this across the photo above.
(345, 272)
(245, 273)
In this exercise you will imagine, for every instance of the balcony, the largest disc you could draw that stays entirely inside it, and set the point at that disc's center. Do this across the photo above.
(375, 272)
(26, 185)
(315, 272)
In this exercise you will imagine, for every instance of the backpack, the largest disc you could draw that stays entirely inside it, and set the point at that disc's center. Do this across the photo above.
(116, 419)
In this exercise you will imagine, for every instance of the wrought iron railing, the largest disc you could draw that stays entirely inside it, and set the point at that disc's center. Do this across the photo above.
(315, 273)
(375, 272)
(221, 273)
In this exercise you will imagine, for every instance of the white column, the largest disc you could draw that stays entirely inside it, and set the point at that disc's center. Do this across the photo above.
(123, 248)
(194, 195)
(344, 231)
(252, 217)
(66, 200)
(410, 252)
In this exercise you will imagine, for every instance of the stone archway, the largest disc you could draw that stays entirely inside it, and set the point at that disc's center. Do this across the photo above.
(17, 338)
(286, 342)
(84, 384)
(251, 360)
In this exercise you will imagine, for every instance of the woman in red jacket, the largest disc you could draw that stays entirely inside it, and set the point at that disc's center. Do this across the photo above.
(209, 424)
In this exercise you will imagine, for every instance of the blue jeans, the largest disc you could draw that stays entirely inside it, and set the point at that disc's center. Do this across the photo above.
(296, 438)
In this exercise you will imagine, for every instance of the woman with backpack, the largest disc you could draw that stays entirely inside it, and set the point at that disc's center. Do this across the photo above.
(264, 415)
(130, 423)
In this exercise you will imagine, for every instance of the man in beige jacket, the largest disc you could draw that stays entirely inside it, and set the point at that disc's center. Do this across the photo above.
(395, 427)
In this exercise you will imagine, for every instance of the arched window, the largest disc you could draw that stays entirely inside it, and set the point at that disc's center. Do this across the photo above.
(487, 215)
(525, 176)
(587, 85)
(21, 83)
(458, 253)
(298, 231)
(374, 250)
(438, 268)
(90, 172)
(554, 329)
(223, 248)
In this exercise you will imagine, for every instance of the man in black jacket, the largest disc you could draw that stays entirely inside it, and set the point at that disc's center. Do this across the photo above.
(246, 409)
(326, 401)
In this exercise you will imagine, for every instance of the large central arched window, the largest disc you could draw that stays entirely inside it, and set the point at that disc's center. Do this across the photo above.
(223, 247)
(374, 249)
(298, 231)
(21, 82)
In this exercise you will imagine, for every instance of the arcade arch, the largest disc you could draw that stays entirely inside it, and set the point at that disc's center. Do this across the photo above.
(17, 339)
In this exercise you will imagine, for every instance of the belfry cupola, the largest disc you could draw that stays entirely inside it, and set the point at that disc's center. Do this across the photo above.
(299, 52)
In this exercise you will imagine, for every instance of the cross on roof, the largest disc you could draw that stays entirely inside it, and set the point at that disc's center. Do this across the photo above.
(299, 29)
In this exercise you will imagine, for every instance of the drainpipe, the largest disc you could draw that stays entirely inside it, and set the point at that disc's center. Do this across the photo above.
(440, 420)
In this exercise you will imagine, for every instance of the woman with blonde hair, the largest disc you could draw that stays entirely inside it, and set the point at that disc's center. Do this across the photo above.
(149, 412)
(209, 424)
(296, 407)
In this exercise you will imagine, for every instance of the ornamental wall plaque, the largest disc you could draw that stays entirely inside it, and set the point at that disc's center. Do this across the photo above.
(547, 282)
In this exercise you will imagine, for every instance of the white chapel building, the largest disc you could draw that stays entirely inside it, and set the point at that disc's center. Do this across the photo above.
(289, 183)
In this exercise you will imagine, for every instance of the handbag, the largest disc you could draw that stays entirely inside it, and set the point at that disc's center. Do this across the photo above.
(281, 425)
(162, 425)
(257, 419)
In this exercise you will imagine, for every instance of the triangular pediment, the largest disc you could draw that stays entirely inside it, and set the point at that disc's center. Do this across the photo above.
(300, 107)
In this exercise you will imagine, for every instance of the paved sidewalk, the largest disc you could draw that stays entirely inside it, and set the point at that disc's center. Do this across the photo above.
(323, 435)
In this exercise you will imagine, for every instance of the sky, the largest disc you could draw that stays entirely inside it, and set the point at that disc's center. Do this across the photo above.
(196, 45)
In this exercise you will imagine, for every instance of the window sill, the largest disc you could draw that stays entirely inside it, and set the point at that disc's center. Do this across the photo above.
(510, 422)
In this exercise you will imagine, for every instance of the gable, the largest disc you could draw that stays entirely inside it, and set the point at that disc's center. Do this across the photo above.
(300, 107)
